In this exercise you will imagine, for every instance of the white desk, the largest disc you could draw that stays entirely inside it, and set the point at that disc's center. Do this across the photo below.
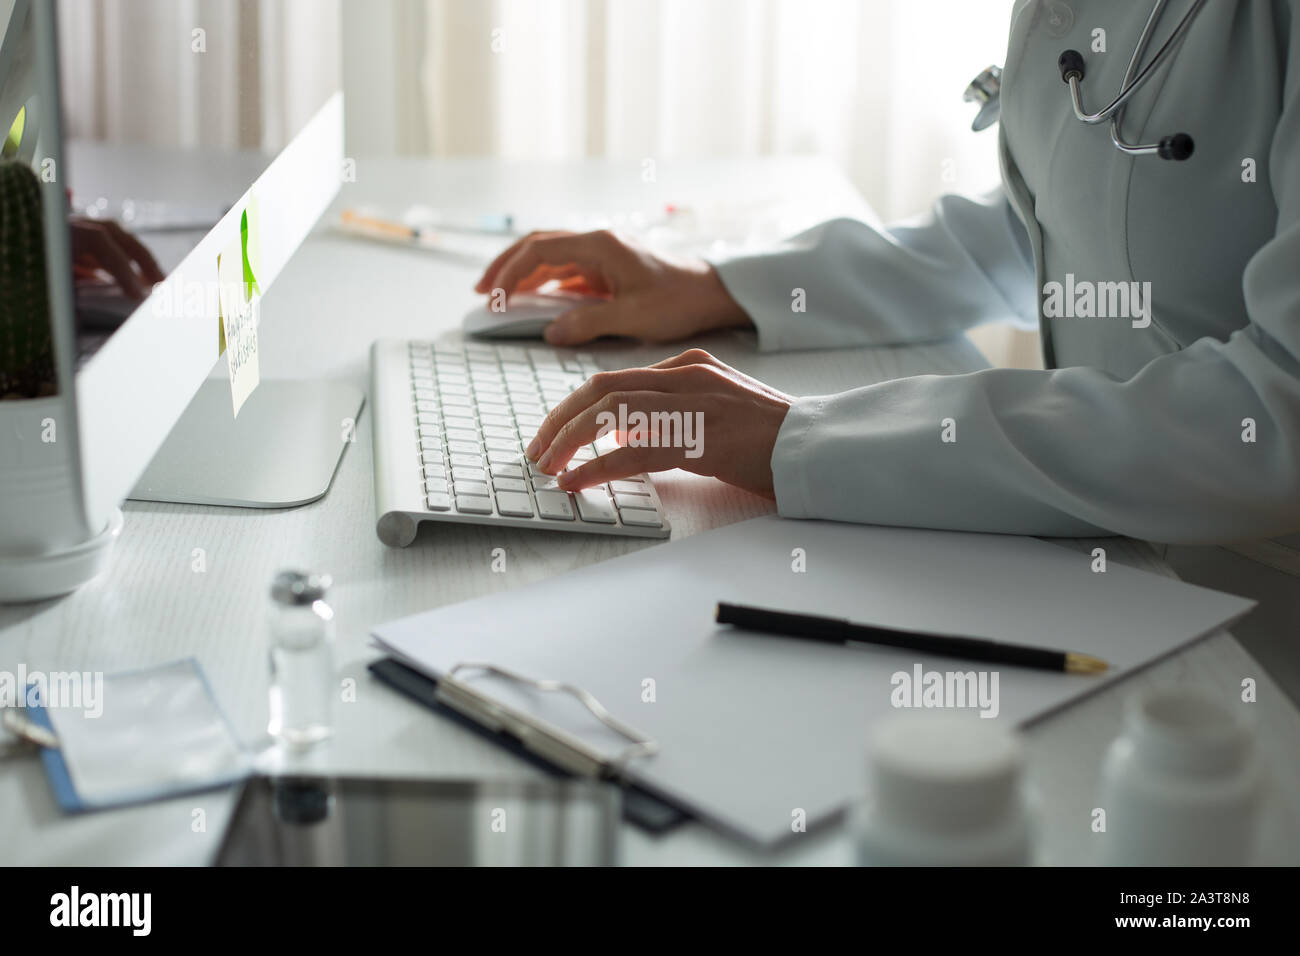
(335, 297)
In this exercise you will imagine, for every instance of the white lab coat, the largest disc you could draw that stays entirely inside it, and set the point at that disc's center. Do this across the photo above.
(1136, 431)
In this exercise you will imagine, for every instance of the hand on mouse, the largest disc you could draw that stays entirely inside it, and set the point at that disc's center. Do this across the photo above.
(648, 297)
(732, 422)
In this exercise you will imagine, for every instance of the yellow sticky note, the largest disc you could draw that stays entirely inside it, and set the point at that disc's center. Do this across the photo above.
(239, 307)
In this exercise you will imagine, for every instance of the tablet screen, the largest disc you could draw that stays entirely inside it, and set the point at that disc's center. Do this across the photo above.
(340, 821)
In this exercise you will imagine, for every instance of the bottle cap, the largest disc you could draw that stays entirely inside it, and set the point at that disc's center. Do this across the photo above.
(300, 587)
(944, 772)
(1188, 731)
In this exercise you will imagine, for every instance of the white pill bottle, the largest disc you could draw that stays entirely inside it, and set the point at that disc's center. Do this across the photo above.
(1182, 785)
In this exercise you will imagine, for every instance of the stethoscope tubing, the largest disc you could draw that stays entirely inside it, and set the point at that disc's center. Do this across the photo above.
(1131, 85)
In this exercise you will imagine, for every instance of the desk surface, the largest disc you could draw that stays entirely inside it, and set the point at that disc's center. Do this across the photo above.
(318, 320)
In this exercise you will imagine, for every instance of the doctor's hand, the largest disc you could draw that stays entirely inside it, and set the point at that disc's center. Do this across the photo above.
(648, 297)
(726, 425)
(104, 252)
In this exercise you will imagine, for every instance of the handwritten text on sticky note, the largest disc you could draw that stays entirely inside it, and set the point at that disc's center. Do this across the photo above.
(239, 310)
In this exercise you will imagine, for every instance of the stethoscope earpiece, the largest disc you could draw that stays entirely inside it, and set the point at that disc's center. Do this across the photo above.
(1071, 64)
(1178, 147)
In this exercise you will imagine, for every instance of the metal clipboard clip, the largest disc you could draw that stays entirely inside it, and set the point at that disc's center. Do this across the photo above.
(552, 744)
(27, 737)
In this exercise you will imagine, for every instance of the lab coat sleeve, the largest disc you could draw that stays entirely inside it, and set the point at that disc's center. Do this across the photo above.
(1163, 456)
(965, 263)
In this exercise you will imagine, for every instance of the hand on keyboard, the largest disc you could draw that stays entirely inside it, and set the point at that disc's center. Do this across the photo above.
(699, 414)
(474, 408)
(651, 299)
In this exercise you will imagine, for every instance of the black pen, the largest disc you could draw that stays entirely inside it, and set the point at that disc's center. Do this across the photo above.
(840, 631)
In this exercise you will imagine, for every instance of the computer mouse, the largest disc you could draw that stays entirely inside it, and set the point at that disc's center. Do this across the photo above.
(525, 316)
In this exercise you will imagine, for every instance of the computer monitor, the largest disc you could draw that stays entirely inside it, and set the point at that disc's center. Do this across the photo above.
(151, 131)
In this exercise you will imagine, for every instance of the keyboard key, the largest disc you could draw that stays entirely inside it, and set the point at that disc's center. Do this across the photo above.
(471, 488)
(470, 461)
(509, 484)
(501, 444)
(504, 457)
(494, 408)
(457, 401)
(594, 505)
(544, 482)
(500, 421)
(474, 504)
(629, 486)
(641, 517)
(468, 474)
(554, 505)
(501, 469)
(463, 447)
(514, 504)
(435, 470)
(500, 431)
(438, 502)
(436, 486)
(458, 422)
(632, 501)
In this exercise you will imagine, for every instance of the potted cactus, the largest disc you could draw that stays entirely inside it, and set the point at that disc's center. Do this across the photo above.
(26, 344)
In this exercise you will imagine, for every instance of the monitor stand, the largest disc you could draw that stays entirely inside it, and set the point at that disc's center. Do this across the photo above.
(282, 450)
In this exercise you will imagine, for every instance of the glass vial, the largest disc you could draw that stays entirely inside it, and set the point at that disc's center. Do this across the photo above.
(301, 659)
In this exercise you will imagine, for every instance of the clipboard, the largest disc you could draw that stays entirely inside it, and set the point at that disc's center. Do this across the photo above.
(756, 728)
(556, 754)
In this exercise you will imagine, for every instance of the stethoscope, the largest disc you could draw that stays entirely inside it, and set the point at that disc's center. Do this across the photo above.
(986, 89)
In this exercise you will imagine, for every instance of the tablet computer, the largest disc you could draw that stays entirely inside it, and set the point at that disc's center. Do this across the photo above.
(351, 821)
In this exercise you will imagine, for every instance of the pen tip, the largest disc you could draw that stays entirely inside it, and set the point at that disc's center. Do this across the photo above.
(1084, 664)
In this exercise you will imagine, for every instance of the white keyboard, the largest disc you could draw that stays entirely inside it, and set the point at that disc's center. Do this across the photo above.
(450, 426)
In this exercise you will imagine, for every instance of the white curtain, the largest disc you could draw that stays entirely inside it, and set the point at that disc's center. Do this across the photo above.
(873, 84)
(234, 74)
